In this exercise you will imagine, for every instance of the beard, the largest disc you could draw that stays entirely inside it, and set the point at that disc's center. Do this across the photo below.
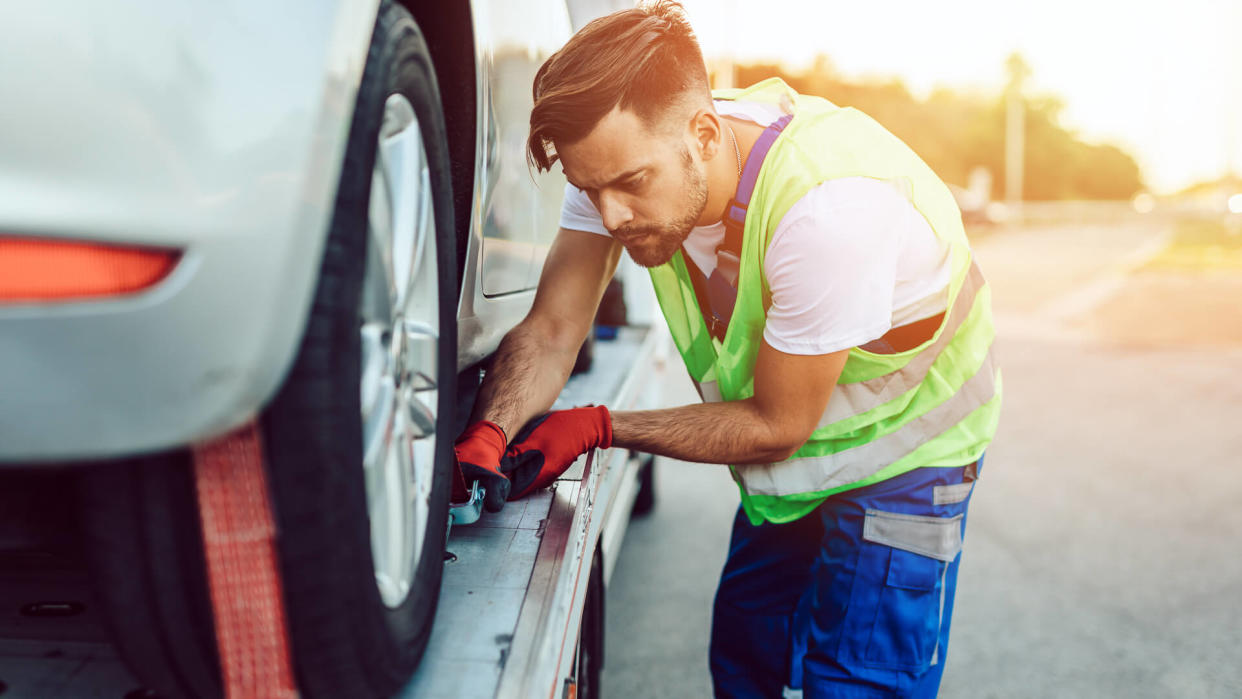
(653, 244)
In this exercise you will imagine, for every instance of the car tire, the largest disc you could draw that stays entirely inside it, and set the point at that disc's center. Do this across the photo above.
(358, 622)
(645, 500)
(586, 355)
(142, 539)
(589, 658)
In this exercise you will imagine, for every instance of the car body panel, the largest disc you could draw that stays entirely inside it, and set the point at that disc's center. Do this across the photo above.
(515, 211)
(197, 127)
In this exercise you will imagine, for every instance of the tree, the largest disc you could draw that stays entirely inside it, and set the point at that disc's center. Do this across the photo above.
(956, 131)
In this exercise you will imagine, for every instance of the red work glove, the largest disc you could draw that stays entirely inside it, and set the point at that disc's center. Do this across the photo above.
(478, 451)
(550, 443)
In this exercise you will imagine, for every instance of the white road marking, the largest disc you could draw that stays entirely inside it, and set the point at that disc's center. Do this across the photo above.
(1108, 282)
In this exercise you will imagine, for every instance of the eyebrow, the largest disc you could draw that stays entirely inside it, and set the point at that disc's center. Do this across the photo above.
(619, 178)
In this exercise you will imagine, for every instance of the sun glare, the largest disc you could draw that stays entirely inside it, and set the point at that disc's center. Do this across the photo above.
(1162, 82)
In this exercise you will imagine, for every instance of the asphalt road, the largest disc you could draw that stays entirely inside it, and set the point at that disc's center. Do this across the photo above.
(1103, 553)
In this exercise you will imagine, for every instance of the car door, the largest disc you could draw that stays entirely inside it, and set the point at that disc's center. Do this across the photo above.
(522, 208)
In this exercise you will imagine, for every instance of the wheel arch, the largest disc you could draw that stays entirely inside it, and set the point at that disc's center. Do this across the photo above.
(448, 29)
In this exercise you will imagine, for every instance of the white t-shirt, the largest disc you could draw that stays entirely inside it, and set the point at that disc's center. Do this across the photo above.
(850, 260)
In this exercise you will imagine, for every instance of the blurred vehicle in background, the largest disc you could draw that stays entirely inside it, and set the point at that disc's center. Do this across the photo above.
(977, 209)
(313, 216)
(975, 199)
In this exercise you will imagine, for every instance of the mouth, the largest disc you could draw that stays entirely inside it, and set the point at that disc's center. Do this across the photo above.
(631, 237)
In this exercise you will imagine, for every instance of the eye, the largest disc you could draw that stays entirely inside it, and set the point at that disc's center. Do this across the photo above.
(634, 183)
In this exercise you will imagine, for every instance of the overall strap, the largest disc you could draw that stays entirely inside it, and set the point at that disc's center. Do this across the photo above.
(720, 290)
(735, 212)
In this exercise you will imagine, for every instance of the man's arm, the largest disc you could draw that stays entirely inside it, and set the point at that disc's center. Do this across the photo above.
(534, 360)
(791, 393)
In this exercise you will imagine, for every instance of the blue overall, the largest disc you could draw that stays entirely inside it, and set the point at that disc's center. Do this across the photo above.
(839, 603)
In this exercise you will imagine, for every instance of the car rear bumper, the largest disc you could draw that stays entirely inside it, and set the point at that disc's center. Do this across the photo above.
(217, 133)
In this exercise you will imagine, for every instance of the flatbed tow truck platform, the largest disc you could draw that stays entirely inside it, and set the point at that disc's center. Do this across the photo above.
(521, 605)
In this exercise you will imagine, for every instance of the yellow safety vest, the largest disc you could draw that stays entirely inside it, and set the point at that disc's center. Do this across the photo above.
(935, 405)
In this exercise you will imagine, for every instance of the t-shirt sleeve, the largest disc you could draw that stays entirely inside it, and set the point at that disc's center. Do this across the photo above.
(579, 214)
(831, 267)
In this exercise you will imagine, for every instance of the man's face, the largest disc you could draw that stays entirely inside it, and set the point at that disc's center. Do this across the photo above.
(643, 179)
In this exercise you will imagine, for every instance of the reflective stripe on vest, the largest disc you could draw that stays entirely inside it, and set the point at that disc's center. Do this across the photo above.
(850, 399)
(709, 391)
(817, 473)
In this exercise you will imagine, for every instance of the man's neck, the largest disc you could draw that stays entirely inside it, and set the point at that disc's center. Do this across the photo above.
(723, 176)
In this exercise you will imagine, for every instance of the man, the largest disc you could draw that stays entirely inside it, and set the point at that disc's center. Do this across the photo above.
(837, 329)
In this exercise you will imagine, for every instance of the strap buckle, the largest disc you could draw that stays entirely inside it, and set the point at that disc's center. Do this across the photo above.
(468, 512)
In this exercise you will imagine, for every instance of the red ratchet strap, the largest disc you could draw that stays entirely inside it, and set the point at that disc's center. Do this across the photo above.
(239, 536)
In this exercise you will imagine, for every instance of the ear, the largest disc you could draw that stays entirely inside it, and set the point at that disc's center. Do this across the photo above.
(707, 132)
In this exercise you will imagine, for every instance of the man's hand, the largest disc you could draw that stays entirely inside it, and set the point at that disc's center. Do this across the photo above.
(533, 362)
(547, 446)
(479, 450)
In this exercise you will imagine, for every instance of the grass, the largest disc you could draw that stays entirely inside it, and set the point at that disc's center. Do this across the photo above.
(1199, 245)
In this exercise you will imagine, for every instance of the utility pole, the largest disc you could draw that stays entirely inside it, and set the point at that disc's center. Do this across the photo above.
(1015, 130)
(1233, 149)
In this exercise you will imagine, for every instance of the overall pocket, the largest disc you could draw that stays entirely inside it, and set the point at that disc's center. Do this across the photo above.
(910, 605)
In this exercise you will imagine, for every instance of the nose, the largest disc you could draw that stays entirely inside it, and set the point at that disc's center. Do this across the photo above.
(613, 211)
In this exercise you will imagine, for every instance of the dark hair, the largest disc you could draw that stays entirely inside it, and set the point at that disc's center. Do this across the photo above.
(645, 60)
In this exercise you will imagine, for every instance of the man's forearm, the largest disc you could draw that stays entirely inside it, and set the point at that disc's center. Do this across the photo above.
(732, 432)
(526, 375)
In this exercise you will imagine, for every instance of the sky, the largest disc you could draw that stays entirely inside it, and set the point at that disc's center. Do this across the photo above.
(1162, 80)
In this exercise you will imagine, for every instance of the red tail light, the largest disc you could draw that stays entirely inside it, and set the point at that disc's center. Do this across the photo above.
(35, 270)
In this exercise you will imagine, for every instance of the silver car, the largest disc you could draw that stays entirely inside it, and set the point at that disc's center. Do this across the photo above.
(297, 227)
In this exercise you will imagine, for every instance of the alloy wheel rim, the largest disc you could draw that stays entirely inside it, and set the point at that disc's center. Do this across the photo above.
(400, 340)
